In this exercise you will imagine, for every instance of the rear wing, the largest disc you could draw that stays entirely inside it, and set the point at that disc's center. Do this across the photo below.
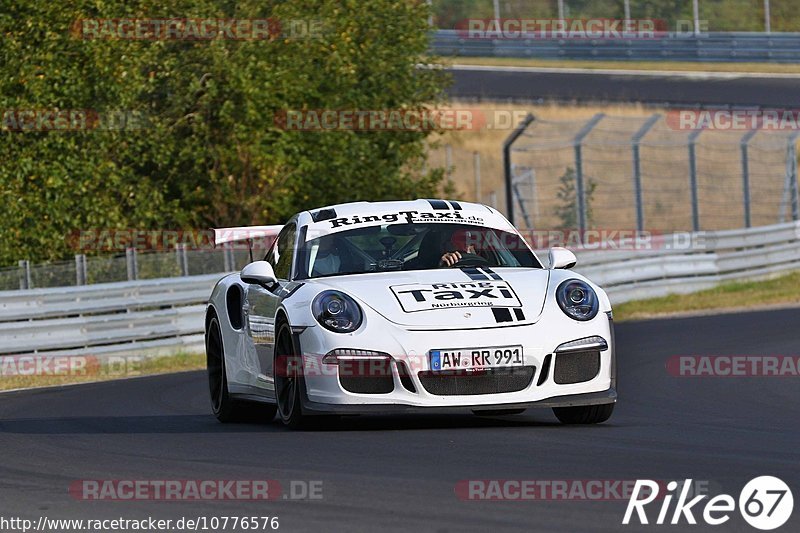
(248, 234)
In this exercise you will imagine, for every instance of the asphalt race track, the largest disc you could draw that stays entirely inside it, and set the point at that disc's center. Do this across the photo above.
(720, 90)
(399, 473)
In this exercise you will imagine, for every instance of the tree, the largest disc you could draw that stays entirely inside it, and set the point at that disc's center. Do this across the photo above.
(208, 152)
(567, 211)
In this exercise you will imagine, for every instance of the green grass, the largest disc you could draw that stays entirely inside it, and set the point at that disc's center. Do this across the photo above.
(779, 68)
(784, 290)
(92, 370)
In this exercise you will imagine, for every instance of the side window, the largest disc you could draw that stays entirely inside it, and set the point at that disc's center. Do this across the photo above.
(283, 252)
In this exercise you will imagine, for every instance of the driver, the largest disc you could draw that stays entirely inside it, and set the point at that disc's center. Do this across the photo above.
(327, 260)
(461, 241)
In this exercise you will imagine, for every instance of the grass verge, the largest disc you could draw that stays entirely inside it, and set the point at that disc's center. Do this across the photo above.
(681, 66)
(44, 371)
(783, 290)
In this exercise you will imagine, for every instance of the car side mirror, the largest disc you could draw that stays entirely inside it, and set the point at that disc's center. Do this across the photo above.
(561, 258)
(259, 273)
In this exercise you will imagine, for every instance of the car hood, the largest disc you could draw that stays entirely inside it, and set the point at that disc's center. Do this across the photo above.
(449, 298)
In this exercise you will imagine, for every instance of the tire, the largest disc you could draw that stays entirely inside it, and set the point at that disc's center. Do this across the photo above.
(584, 414)
(224, 407)
(498, 412)
(289, 383)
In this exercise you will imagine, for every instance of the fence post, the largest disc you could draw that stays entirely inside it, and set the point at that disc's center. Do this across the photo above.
(476, 164)
(182, 258)
(518, 177)
(580, 189)
(227, 258)
(520, 129)
(80, 269)
(637, 168)
(25, 275)
(132, 264)
(534, 195)
(792, 161)
(746, 175)
(693, 179)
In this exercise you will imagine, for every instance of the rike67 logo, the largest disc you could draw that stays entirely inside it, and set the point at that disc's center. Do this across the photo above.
(765, 503)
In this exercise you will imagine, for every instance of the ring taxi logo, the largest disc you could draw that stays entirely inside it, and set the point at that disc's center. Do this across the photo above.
(410, 217)
(766, 503)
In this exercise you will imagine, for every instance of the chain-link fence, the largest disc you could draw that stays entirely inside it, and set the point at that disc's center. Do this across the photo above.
(645, 173)
(129, 265)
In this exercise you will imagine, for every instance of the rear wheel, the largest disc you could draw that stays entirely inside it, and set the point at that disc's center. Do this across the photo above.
(224, 407)
(584, 414)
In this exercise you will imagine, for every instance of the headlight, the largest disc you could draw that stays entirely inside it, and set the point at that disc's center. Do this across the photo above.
(336, 312)
(577, 299)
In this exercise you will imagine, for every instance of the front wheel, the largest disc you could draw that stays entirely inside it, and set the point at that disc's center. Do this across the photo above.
(584, 414)
(288, 379)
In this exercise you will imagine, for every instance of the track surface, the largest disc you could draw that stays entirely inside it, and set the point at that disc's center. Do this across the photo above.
(398, 473)
(693, 90)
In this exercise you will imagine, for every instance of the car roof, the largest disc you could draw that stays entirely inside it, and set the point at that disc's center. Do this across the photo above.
(341, 217)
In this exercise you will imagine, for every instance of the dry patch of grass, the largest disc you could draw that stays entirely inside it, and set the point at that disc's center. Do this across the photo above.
(41, 371)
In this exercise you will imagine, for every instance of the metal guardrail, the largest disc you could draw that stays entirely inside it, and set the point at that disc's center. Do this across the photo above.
(723, 47)
(167, 314)
(153, 315)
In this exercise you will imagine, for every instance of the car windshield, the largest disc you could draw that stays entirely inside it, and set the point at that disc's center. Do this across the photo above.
(411, 247)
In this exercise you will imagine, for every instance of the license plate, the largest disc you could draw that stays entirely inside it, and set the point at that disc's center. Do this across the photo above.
(476, 358)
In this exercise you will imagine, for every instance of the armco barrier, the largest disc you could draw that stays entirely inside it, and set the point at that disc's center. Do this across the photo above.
(167, 314)
(718, 47)
(154, 315)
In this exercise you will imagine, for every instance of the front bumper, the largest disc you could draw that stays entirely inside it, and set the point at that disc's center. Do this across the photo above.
(324, 392)
(571, 400)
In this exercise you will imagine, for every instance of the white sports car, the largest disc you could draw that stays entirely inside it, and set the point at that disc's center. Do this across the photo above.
(417, 305)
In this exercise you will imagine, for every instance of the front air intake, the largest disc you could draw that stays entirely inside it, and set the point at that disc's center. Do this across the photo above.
(576, 367)
(366, 376)
(465, 383)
